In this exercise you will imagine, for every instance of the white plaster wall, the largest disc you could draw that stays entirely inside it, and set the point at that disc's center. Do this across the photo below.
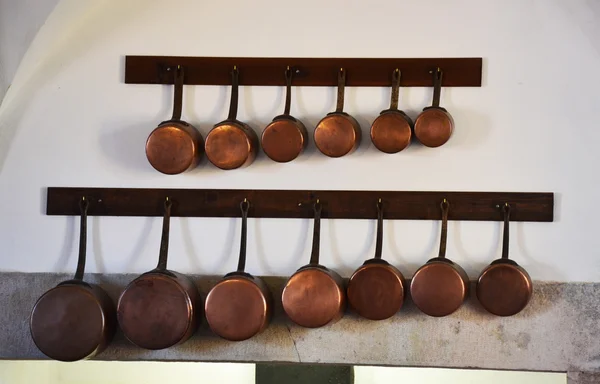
(69, 120)
(19, 23)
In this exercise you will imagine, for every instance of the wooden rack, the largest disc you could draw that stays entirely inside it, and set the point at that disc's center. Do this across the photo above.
(416, 72)
(479, 206)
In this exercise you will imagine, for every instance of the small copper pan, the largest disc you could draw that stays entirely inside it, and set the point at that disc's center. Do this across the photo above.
(392, 130)
(338, 133)
(75, 320)
(314, 296)
(504, 288)
(434, 125)
(440, 286)
(175, 146)
(286, 137)
(160, 308)
(240, 305)
(232, 144)
(377, 289)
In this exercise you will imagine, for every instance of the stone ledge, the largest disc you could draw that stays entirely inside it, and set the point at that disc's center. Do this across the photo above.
(559, 331)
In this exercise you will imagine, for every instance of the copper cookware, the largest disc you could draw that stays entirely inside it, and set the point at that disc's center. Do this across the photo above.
(440, 286)
(392, 130)
(377, 289)
(232, 144)
(160, 308)
(434, 125)
(338, 133)
(504, 288)
(286, 137)
(75, 320)
(240, 305)
(175, 146)
(314, 296)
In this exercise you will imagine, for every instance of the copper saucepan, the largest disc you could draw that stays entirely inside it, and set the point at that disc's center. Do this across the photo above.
(434, 125)
(314, 296)
(160, 308)
(392, 130)
(240, 305)
(504, 288)
(175, 146)
(338, 133)
(286, 137)
(377, 289)
(232, 144)
(440, 286)
(75, 320)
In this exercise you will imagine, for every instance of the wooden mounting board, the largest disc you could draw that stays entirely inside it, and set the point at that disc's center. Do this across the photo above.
(321, 72)
(480, 206)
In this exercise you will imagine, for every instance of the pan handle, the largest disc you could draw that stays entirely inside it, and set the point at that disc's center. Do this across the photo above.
(437, 86)
(314, 255)
(379, 239)
(288, 91)
(506, 208)
(395, 89)
(244, 206)
(233, 105)
(164, 241)
(178, 93)
(340, 93)
(445, 205)
(83, 207)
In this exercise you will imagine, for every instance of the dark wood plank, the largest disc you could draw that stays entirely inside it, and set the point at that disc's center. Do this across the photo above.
(481, 206)
(458, 72)
(304, 373)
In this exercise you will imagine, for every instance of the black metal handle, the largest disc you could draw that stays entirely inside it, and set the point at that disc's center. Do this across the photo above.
(244, 206)
(233, 105)
(506, 208)
(379, 239)
(437, 87)
(314, 255)
(83, 208)
(445, 205)
(164, 241)
(340, 93)
(178, 93)
(395, 89)
(288, 91)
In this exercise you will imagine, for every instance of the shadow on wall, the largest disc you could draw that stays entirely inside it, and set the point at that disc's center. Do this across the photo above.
(71, 29)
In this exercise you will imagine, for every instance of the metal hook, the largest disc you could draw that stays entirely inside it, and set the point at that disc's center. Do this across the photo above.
(245, 205)
(445, 204)
(83, 204)
(168, 202)
(317, 207)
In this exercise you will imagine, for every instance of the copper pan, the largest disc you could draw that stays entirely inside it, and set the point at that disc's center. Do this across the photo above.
(175, 146)
(392, 130)
(286, 137)
(434, 125)
(240, 305)
(504, 288)
(440, 286)
(377, 289)
(160, 308)
(75, 320)
(314, 296)
(338, 133)
(231, 143)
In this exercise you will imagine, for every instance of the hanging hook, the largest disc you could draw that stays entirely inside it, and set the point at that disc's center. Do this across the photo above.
(245, 205)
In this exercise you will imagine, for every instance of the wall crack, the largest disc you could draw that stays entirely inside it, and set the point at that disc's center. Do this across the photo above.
(293, 342)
